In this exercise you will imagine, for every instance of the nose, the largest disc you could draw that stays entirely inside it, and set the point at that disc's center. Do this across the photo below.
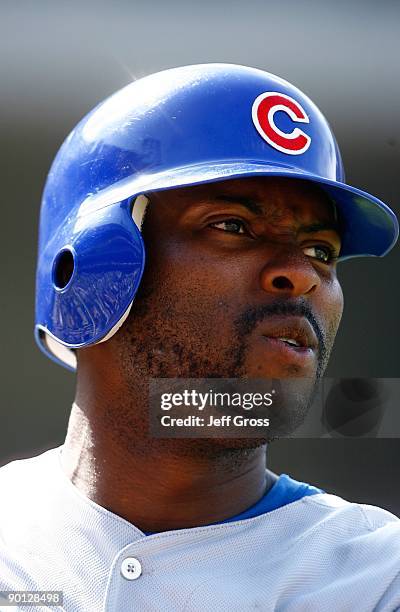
(289, 274)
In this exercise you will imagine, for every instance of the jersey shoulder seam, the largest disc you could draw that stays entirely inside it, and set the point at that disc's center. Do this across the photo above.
(367, 521)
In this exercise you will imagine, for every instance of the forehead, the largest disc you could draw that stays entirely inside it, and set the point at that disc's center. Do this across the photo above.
(262, 195)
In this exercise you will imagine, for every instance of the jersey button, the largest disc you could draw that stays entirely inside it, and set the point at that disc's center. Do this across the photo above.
(131, 568)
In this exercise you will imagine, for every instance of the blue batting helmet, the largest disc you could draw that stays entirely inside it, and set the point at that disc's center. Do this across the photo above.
(180, 127)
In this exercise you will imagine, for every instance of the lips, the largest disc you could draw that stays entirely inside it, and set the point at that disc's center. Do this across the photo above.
(296, 333)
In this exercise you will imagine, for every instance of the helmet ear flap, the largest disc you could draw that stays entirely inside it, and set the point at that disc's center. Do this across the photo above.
(90, 280)
(139, 209)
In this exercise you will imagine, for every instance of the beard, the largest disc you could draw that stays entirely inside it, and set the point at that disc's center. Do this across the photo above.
(175, 336)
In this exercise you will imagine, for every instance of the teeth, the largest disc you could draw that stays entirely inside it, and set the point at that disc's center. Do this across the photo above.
(289, 341)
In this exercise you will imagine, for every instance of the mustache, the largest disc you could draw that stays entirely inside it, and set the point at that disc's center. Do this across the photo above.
(249, 319)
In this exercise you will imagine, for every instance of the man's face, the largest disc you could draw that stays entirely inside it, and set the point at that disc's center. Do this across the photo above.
(240, 281)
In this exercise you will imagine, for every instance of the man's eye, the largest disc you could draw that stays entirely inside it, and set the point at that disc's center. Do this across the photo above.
(320, 252)
(232, 226)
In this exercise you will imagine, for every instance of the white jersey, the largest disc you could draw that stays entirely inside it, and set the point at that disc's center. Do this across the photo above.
(318, 553)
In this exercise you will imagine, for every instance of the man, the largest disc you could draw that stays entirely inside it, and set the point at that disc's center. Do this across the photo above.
(233, 181)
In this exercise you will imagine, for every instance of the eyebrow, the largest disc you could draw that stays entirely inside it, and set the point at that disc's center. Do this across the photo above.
(248, 203)
(255, 208)
(319, 227)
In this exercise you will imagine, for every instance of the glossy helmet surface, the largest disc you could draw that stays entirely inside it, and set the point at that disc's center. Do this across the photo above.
(179, 127)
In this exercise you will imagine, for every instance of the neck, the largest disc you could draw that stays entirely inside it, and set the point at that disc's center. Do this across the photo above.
(155, 484)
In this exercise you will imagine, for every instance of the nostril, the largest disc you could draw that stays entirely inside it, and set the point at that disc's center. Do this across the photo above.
(282, 282)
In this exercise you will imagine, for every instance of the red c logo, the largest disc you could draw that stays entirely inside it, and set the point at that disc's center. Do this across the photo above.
(264, 108)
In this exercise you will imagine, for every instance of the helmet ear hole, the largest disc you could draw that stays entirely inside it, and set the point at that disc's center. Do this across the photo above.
(63, 268)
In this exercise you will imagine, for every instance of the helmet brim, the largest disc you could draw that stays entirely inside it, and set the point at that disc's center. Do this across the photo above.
(369, 227)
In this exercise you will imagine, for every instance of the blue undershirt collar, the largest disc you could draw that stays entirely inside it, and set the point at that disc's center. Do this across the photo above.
(284, 491)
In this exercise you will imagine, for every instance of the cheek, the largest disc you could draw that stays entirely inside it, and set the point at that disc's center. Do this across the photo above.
(192, 280)
(196, 301)
(181, 322)
(332, 306)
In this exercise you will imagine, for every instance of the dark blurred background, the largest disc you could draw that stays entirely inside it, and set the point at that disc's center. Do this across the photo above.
(59, 59)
